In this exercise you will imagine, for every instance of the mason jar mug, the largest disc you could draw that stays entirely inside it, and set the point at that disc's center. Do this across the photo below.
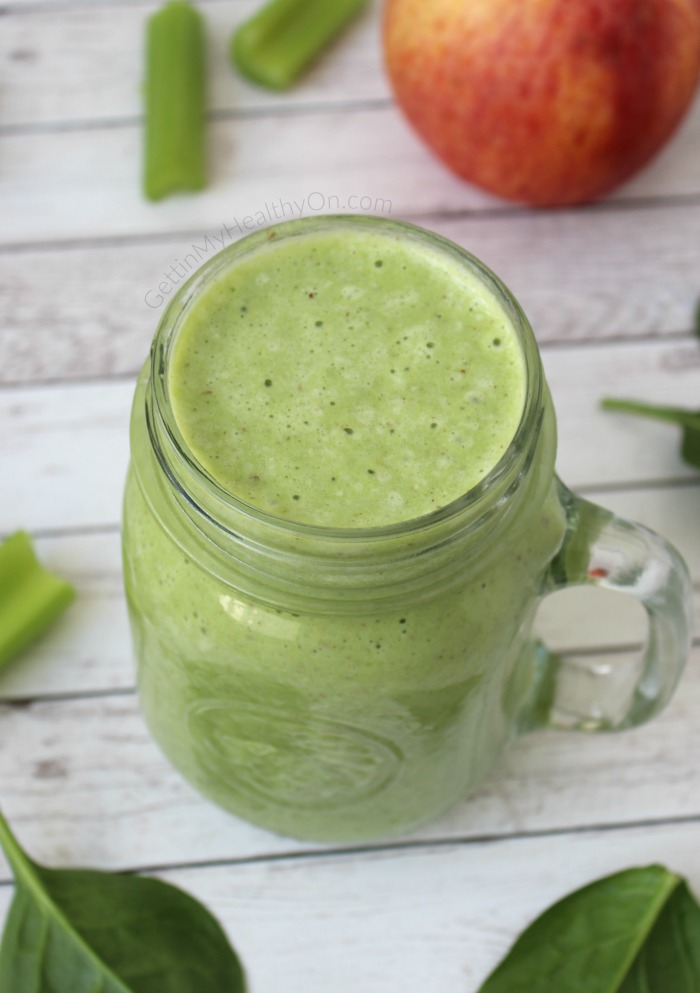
(348, 683)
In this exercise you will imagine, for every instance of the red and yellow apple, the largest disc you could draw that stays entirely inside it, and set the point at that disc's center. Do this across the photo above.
(545, 102)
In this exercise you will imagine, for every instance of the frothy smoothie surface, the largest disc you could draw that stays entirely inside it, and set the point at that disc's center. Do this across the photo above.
(346, 378)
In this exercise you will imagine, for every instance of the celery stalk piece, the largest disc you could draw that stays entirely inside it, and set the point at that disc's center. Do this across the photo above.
(175, 101)
(277, 43)
(31, 597)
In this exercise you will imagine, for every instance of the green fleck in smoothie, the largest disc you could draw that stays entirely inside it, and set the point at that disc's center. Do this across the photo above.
(343, 379)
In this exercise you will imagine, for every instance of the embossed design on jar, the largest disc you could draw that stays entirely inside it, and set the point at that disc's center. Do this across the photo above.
(308, 762)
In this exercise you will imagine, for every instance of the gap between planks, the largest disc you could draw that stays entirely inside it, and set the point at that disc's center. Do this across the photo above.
(40, 6)
(398, 846)
(230, 114)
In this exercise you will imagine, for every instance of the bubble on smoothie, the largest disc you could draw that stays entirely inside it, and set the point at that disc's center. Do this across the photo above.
(350, 292)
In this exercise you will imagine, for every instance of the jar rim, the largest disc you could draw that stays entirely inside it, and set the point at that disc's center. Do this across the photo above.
(229, 512)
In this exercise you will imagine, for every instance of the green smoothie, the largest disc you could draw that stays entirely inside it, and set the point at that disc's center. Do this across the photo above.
(343, 379)
(339, 683)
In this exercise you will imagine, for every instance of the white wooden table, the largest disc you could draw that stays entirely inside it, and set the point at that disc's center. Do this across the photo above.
(610, 290)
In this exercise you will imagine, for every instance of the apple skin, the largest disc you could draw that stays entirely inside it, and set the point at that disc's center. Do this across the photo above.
(545, 102)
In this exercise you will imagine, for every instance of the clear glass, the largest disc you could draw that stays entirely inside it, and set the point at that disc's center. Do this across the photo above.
(348, 684)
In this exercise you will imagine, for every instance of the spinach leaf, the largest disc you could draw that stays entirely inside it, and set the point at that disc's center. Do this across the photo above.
(637, 931)
(84, 931)
(688, 420)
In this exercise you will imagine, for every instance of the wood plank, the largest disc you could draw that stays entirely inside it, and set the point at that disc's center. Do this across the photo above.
(64, 449)
(11, 7)
(85, 63)
(435, 920)
(64, 452)
(430, 919)
(597, 448)
(257, 162)
(82, 311)
(91, 761)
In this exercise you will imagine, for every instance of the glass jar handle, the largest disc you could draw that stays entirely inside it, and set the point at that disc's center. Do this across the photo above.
(601, 549)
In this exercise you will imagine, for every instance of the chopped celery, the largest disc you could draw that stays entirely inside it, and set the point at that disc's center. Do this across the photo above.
(31, 598)
(175, 101)
(278, 42)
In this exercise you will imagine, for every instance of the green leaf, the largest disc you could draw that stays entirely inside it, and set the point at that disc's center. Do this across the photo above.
(690, 448)
(670, 959)
(688, 420)
(83, 931)
(637, 931)
(31, 597)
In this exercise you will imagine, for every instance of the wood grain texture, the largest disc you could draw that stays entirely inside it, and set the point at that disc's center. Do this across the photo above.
(256, 162)
(88, 311)
(12, 7)
(435, 919)
(84, 65)
(71, 443)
